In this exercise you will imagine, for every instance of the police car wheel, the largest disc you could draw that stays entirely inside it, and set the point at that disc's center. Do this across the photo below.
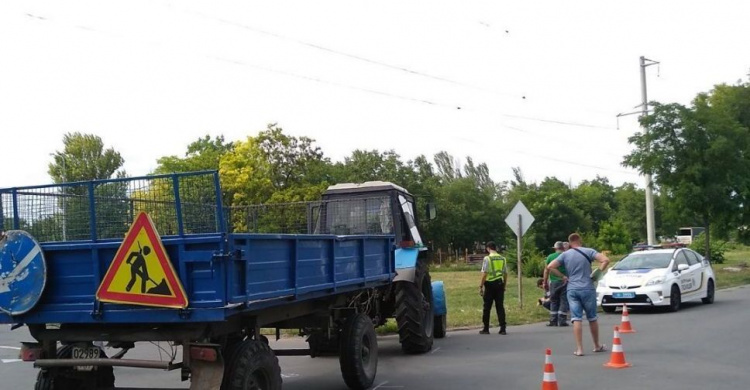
(710, 293)
(675, 299)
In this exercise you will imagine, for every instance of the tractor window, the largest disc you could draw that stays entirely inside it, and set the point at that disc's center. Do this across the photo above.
(360, 216)
(379, 220)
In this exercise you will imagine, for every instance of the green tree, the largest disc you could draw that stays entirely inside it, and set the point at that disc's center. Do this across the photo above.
(630, 211)
(271, 167)
(596, 199)
(84, 158)
(556, 213)
(201, 155)
(698, 154)
(197, 193)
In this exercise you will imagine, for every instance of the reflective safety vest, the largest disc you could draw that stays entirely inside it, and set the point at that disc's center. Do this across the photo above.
(496, 267)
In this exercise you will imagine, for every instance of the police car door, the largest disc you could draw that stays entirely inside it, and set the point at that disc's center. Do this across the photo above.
(696, 270)
(686, 277)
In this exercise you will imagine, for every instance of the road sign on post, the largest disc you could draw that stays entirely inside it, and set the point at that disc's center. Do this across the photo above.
(519, 221)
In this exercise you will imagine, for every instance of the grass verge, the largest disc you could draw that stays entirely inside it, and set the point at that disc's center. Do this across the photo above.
(735, 270)
(465, 305)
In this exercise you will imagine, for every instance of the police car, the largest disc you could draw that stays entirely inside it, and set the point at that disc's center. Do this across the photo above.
(657, 277)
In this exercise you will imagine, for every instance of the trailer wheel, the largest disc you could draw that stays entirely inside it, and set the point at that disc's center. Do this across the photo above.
(104, 376)
(229, 352)
(358, 355)
(254, 367)
(414, 312)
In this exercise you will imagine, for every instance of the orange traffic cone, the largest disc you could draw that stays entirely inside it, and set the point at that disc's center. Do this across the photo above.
(549, 381)
(625, 322)
(617, 357)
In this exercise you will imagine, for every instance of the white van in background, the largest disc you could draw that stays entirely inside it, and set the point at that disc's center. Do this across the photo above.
(686, 234)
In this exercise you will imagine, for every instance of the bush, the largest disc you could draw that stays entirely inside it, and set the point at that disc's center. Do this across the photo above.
(613, 236)
(718, 247)
(533, 267)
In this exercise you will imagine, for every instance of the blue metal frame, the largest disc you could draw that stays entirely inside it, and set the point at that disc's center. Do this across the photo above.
(223, 274)
(248, 273)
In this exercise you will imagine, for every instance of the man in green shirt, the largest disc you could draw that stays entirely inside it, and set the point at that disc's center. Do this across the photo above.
(558, 309)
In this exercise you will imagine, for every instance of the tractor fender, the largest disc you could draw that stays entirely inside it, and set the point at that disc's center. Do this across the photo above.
(406, 264)
(438, 295)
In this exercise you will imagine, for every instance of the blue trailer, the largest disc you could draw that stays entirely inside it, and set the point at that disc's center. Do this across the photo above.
(332, 269)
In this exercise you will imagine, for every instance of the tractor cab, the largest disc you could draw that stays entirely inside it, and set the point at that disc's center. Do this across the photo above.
(373, 207)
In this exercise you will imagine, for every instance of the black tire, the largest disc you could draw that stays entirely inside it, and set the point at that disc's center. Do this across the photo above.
(105, 376)
(229, 352)
(414, 312)
(441, 323)
(253, 367)
(710, 293)
(675, 299)
(609, 309)
(358, 355)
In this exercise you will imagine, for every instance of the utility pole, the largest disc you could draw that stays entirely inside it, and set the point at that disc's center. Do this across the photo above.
(650, 224)
(63, 177)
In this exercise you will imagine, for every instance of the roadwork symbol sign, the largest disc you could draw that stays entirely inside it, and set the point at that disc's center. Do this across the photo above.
(141, 273)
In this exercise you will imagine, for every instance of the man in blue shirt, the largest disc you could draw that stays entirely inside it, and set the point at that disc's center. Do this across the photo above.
(581, 290)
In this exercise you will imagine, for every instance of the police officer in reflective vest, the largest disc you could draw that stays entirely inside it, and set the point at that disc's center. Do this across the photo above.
(492, 287)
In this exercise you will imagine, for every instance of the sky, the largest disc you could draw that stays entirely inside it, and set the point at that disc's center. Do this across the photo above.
(529, 84)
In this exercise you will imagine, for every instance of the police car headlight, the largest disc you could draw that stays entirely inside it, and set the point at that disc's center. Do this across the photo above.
(655, 281)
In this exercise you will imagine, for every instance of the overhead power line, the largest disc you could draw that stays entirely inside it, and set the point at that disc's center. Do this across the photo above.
(344, 85)
(548, 158)
(343, 53)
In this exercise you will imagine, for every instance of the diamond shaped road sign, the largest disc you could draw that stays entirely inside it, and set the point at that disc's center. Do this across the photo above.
(526, 218)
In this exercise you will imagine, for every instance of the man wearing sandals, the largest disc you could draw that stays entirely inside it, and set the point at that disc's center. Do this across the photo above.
(581, 290)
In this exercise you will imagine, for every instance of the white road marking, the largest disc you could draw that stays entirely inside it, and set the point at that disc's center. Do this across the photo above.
(435, 350)
(383, 386)
(290, 375)
(4, 347)
(11, 360)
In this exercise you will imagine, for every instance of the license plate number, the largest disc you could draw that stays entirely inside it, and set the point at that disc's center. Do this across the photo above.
(85, 353)
(623, 295)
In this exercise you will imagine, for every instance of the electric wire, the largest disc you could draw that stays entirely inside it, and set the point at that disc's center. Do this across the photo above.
(349, 86)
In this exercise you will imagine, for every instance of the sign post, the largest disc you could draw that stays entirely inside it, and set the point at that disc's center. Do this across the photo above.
(519, 221)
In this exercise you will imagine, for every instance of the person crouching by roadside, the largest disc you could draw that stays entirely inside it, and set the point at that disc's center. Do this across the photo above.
(545, 300)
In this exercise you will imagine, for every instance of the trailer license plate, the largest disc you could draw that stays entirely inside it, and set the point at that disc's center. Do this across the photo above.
(624, 295)
(85, 353)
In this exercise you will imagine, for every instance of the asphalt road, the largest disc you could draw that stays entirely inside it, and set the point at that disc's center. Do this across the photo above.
(702, 346)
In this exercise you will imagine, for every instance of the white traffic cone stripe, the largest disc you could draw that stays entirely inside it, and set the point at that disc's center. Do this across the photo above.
(617, 334)
(626, 318)
(617, 348)
(549, 377)
(547, 359)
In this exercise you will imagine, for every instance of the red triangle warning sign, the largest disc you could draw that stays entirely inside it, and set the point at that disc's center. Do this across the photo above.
(141, 273)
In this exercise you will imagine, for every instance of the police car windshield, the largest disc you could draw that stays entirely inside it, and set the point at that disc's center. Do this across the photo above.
(644, 260)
